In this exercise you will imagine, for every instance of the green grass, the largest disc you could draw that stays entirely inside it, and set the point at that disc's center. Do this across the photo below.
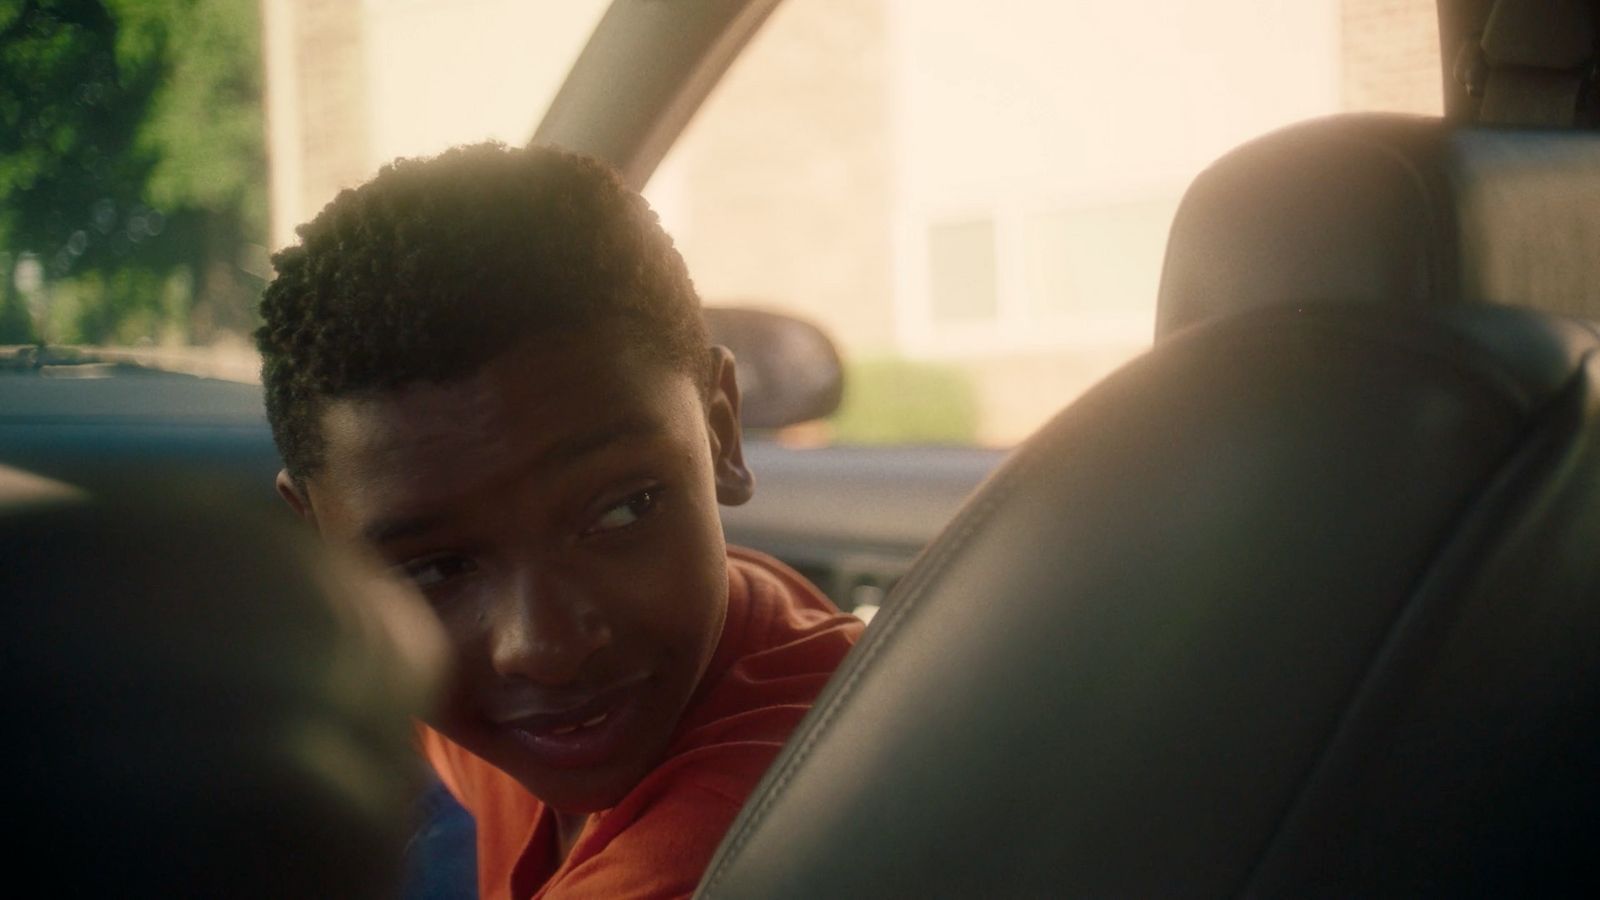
(897, 401)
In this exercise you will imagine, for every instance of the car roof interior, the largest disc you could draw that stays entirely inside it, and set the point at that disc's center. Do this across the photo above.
(1303, 600)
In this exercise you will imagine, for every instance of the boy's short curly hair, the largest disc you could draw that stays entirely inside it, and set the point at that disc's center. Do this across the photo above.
(438, 265)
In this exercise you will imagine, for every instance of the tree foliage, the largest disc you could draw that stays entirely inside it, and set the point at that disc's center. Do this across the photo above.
(132, 166)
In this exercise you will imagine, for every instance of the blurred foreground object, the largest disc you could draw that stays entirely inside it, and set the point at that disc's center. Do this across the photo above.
(201, 705)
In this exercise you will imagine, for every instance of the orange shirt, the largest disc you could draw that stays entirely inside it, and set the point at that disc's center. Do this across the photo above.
(780, 643)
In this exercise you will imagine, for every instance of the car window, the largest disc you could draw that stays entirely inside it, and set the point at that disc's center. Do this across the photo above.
(152, 155)
(975, 205)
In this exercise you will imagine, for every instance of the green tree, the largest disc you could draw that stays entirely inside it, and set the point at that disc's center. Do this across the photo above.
(132, 163)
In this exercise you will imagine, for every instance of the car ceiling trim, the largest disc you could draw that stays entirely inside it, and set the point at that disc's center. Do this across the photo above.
(630, 94)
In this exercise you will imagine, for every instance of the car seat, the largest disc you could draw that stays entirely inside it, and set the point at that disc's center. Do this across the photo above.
(1305, 601)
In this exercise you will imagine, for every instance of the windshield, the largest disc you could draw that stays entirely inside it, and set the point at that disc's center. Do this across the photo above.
(973, 206)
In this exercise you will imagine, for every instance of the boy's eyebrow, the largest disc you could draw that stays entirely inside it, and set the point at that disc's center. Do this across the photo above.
(385, 530)
(570, 449)
(562, 453)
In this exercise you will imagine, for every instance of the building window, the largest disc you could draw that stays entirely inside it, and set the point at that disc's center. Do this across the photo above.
(1038, 275)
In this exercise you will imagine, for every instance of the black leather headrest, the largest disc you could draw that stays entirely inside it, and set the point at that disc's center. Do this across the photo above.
(1533, 65)
(1296, 604)
(1390, 210)
(199, 705)
(1540, 34)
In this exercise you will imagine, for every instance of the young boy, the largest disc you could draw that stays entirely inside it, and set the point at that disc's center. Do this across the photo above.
(489, 368)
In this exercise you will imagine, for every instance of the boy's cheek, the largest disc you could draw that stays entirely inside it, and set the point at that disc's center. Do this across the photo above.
(453, 714)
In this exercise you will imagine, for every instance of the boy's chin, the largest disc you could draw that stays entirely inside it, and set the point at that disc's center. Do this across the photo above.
(582, 791)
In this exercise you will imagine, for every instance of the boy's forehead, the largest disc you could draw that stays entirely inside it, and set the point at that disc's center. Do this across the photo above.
(542, 397)
(564, 372)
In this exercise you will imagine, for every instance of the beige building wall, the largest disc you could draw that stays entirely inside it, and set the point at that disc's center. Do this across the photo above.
(849, 128)
(1075, 128)
(316, 98)
(779, 194)
(1390, 56)
(1203, 91)
(817, 175)
(354, 84)
(447, 72)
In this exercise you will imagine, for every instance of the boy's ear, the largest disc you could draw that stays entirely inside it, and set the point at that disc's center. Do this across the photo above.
(735, 484)
(294, 496)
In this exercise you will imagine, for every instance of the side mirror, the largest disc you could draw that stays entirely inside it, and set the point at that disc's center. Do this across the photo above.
(789, 371)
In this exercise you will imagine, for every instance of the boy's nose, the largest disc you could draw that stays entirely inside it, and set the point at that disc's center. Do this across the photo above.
(544, 634)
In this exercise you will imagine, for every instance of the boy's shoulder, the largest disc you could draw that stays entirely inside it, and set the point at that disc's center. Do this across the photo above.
(780, 607)
(781, 642)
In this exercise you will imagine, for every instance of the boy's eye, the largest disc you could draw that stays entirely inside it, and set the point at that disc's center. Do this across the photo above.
(629, 511)
(432, 571)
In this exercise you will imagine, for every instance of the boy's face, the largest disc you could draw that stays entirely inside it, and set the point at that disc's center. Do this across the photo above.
(559, 510)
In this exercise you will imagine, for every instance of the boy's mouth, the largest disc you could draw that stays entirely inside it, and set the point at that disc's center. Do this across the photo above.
(568, 729)
(584, 735)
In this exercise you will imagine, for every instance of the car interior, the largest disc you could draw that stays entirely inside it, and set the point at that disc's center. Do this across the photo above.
(1301, 601)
